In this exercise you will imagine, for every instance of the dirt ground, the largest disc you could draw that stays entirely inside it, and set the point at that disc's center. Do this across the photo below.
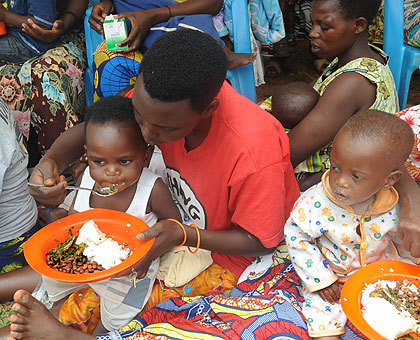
(300, 68)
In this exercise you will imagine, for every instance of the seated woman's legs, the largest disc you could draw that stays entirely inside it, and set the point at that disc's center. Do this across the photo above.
(24, 278)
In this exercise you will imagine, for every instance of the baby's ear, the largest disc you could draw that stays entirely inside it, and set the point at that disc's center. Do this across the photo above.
(391, 179)
(148, 155)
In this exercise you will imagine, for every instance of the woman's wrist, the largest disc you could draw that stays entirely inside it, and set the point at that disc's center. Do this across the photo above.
(177, 229)
(68, 18)
(158, 15)
(190, 235)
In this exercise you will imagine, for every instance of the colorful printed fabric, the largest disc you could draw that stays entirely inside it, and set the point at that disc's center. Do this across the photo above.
(11, 252)
(412, 22)
(46, 92)
(213, 280)
(81, 310)
(266, 304)
(386, 94)
(114, 71)
(412, 117)
(376, 28)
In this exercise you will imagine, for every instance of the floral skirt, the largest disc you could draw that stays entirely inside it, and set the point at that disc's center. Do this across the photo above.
(45, 94)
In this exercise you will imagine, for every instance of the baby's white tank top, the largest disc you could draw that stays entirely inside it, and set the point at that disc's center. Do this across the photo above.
(137, 206)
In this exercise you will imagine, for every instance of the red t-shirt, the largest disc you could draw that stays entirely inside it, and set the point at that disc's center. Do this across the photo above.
(240, 175)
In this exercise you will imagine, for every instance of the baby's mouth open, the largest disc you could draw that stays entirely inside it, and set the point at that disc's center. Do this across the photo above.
(340, 196)
(114, 185)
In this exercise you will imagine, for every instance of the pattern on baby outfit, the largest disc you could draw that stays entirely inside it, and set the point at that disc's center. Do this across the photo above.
(325, 246)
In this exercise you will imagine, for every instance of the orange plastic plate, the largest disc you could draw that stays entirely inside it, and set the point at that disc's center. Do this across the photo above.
(119, 226)
(351, 293)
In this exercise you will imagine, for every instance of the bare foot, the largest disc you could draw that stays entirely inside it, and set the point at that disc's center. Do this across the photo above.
(238, 59)
(34, 321)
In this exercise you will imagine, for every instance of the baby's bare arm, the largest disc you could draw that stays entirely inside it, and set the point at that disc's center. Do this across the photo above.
(162, 203)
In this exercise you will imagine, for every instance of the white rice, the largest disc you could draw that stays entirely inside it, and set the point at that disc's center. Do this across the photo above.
(382, 316)
(101, 249)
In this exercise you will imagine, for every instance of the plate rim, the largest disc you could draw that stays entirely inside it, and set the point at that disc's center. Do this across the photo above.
(352, 289)
(32, 245)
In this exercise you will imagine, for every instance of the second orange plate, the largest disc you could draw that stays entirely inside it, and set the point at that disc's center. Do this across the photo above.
(352, 290)
(119, 226)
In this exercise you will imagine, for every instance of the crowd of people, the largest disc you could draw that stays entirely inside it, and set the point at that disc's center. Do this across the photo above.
(236, 186)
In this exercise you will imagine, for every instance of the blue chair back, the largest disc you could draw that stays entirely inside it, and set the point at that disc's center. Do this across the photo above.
(93, 39)
(404, 59)
(241, 78)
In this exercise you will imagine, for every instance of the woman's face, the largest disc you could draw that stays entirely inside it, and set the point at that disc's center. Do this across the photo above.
(331, 34)
(162, 122)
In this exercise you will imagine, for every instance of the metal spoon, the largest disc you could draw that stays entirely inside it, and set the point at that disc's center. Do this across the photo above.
(103, 192)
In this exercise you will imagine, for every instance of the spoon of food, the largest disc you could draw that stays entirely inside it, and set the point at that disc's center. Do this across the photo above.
(103, 192)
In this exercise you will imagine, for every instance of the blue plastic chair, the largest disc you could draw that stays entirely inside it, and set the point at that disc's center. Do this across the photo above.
(93, 39)
(404, 59)
(241, 78)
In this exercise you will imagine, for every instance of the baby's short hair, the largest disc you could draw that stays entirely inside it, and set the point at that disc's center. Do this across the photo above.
(394, 135)
(353, 9)
(115, 110)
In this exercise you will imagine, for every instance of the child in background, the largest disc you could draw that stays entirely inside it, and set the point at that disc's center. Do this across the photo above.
(349, 219)
(290, 104)
(117, 155)
(17, 46)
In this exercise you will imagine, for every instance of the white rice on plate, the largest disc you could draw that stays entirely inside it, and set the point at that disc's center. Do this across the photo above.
(100, 248)
(383, 316)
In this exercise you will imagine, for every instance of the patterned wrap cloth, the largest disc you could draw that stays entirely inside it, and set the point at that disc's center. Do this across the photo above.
(46, 92)
(11, 252)
(412, 22)
(266, 303)
(81, 308)
(114, 71)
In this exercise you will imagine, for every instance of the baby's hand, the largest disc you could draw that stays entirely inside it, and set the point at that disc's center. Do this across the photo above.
(331, 293)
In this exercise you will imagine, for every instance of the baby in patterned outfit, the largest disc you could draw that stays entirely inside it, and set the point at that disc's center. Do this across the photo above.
(349, 219)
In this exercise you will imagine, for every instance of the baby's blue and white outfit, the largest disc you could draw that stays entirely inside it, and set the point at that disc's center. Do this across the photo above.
(328, 242)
